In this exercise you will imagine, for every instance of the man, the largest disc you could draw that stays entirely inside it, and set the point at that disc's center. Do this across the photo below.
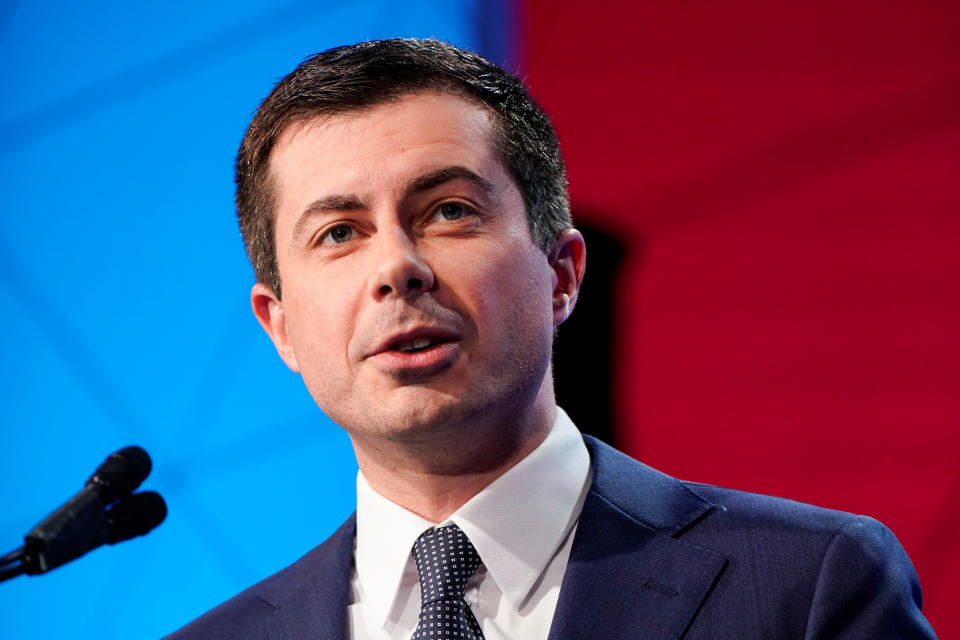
(404, 206)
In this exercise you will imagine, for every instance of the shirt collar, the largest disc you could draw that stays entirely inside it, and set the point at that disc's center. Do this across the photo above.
(516, 523)
(385, 535)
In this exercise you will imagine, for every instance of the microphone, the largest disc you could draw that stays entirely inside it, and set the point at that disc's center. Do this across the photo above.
(136, 515)
(104, 512)
(120, 473)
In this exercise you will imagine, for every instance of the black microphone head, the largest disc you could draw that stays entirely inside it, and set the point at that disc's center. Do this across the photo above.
(121, 473)
(134, 516)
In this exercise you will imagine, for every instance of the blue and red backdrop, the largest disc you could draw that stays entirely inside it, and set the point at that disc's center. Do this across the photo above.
(773, 196)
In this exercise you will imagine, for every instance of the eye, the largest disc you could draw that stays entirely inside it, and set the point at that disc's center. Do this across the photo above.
(337, 235)
(452, 211)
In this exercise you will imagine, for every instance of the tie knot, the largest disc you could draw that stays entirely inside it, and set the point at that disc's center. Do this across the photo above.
(445, 561)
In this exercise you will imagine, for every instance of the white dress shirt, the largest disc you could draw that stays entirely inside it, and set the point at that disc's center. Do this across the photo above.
(522, 525)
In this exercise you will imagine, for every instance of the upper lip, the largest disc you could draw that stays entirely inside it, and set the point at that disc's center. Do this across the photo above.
(441, 334)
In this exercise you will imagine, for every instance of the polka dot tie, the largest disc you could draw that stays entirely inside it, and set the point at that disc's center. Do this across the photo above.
(445, 561)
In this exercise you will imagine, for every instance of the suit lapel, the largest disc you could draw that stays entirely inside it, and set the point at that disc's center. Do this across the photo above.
(311, 599)
(628, 576)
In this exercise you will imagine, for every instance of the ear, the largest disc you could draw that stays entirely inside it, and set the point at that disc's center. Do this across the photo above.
(568, 259)
(268, 309)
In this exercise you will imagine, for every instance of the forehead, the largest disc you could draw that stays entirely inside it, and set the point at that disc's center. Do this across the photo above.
(367, 150)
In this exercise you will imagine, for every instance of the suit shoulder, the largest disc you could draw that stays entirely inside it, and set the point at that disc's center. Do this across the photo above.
(753, 523)
(832, 573)
(243, 616)
(248, 614)
(680, 508)
(762, 512)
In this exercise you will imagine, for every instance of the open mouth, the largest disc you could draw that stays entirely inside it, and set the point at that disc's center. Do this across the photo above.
(418, 344)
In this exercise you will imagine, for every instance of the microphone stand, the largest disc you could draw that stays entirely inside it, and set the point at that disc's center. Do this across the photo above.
(15, 560)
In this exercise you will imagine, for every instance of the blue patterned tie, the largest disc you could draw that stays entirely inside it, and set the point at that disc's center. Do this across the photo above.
(445, 561)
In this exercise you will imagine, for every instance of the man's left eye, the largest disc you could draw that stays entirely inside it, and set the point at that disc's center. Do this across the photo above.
(452, 210)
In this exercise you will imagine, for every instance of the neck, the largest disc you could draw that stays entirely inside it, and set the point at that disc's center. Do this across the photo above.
(435, 478)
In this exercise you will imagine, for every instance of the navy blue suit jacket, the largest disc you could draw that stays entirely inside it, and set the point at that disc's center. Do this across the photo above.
(653, 558)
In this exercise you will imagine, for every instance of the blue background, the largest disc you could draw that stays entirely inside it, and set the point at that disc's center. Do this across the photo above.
(124, 290)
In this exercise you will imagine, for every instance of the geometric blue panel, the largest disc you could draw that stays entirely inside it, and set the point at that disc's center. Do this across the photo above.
(124, 289)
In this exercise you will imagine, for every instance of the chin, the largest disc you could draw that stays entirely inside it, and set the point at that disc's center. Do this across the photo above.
(422, 420)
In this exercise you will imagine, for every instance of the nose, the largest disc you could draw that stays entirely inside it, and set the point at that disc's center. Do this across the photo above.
(401, 269)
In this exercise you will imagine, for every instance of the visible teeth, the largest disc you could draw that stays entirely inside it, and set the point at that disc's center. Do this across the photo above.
(414, 345)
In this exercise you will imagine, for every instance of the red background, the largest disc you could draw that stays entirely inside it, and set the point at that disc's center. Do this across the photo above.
(786, 177)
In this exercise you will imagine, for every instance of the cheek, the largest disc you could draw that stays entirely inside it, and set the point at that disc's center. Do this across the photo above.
(510, 294)
(318, 325)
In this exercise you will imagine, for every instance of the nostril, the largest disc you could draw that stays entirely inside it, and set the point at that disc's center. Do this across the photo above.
(414, 283)
(385, 289)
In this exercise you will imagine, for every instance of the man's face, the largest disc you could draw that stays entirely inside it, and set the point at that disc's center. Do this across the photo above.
(413, 296)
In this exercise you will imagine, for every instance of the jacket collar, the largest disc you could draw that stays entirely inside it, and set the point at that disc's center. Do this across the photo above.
(651, 497)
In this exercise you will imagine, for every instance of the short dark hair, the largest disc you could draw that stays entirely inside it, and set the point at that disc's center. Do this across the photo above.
(350, 78)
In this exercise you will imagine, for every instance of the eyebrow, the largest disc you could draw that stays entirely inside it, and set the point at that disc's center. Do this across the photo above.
(337, 202)
(353, 202)
(435, 178)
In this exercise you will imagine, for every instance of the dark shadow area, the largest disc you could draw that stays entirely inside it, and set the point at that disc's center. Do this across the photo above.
(583, 350)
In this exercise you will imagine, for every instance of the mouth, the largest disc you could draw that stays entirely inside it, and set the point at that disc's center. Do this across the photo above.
(421, 351)
(417, 344)
(415, 340)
